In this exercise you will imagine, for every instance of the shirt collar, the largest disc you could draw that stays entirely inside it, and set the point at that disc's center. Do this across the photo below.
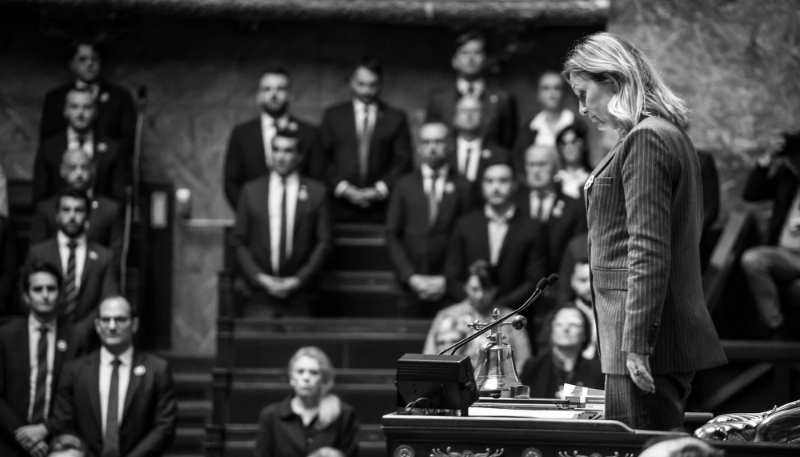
(427, 171)
(126, 357)
(293, 178)
(72, 134)
(33, 324)
(63, 239)
(359, 105)
(269, 121)
(500, 219)
(465, 142)
(462, 85)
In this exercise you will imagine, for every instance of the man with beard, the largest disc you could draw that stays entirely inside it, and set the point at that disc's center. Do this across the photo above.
(250, 154)
(87, 267)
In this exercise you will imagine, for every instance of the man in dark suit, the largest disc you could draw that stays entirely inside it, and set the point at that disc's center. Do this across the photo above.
(498, 106)
(423, 210)
(564, 217)
(8, 266)
(87, 268)
(119, 399)
(32, 352)
(766, 268)
(113, 168)
(249, 154)
(366, 148)
(514, 245)
(105, 218)
(282, 233)
(116, 115)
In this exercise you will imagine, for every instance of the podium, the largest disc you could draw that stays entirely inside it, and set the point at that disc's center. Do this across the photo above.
(437, 436)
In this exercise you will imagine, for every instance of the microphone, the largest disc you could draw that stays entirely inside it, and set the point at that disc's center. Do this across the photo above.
(543, 284)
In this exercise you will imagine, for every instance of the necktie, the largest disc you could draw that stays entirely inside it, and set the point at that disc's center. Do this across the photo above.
(540, 214)
(268, 135)
(284, 225)
(70, 287)
(468, 162)
(470, 89)
(38, 415)
(111, 438)
(433, 203)
(363, 145)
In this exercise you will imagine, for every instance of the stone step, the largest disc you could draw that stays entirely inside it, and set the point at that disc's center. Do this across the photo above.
(194, 413)
(192, 386)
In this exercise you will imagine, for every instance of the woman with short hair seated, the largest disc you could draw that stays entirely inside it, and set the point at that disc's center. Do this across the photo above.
(562, 362)
(312, 422)
(450, 324)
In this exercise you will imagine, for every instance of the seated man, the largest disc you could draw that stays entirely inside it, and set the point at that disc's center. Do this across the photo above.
(67, 446)
(498, 107)
(563, 216)
(768, 267)
(249, 154)
(422, 213)
(8, 266)
(105, 219)
(111, 161)
(515, 245)
(450, 324)
(120, 400)
(282, 234)
(366, 148)
(87, 268)
(32, 352)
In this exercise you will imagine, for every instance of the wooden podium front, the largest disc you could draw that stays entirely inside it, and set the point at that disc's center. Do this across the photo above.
(435, 436)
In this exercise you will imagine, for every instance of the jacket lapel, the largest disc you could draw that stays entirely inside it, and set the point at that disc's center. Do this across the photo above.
(448, 203)
(508, 241)
(93, 384)
(62, 334)
(23, 337)
(88, 264)
(267, 233)
(134, 382)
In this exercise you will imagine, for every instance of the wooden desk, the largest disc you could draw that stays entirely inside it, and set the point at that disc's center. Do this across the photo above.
(423, 436)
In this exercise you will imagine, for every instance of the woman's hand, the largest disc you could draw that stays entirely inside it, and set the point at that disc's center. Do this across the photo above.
(639, 369)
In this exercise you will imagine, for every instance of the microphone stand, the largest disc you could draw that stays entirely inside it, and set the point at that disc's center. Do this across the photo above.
(543, 284)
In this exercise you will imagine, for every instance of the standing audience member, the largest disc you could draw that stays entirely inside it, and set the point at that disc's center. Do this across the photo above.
(119, 399)
(515, 245)
(545, 125)
(116, 115)
(767, 268)
(366, 148)
(473, 152)
(572, 143)
(67, 446)
(564, 217)
(422, 213)
(481, 289)
(563, 362)
(282, 233)
(312, 422)
(87, 268)
(249, 155)
(32, 353)
(113, 168)
(105, 218)
(498, 107)
(8, 266)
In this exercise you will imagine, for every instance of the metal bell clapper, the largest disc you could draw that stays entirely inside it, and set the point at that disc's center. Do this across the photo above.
(496, 370)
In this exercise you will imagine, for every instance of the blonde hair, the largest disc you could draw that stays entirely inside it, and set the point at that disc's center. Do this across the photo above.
(608, 58)
(330, 407)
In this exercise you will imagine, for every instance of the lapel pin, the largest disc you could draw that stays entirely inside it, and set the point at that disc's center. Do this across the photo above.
(449, 187)
(140, 370)
(94, 204)
(486, 154)
(102, 147)
(493, 99)
(61, 345)
(558, 210)
(302, 193)
(93, 255)
(104, 97)
(588, 182)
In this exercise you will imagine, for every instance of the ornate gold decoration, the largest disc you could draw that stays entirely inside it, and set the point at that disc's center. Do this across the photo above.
(404, 450)
(438, 453)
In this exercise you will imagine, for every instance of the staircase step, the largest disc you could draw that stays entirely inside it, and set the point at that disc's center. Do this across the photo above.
(194, 413)
(188, 441)
(192, 386)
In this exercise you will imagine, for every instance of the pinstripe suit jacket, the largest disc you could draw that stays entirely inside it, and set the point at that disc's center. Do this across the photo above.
(645, 216)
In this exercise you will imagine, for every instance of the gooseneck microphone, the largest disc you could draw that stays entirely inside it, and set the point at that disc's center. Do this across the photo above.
(543, 284)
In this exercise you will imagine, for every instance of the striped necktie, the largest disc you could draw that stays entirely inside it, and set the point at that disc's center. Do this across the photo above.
(70, 286)
(39, 408)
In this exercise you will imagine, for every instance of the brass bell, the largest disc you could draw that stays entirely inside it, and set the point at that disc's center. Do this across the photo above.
(496, 370)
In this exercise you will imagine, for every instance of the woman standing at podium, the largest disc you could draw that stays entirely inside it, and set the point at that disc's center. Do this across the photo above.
(645, 217)
(312, 422)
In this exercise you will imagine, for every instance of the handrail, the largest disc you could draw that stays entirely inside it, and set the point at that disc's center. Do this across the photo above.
(183, 209)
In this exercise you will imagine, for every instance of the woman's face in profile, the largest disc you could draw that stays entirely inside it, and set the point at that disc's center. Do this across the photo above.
(306, 377)
(593, 98)
(480, 298)
(571, 148)
(568, 328)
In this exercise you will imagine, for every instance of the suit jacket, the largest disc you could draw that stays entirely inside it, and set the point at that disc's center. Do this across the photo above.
(106, 223)
(499, 112)
(98, 280)
(8, 266)
(15, 375)
(245, 158)
(521, 264)
(149, 416)
(567, 219)
(491, 154)
(779, 184)
(116, 114)
(645, 216)
(312, 231)
(416, 246)
(113, 171)
(389, 152)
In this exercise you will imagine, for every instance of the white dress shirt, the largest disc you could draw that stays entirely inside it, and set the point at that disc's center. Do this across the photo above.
(546, 136)
(33, 351)
(80, 255)
(74, 143)
(498, 227)
(463, 86)
(126, 359)
(275, 196)
(469, 155)
(545, 203)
